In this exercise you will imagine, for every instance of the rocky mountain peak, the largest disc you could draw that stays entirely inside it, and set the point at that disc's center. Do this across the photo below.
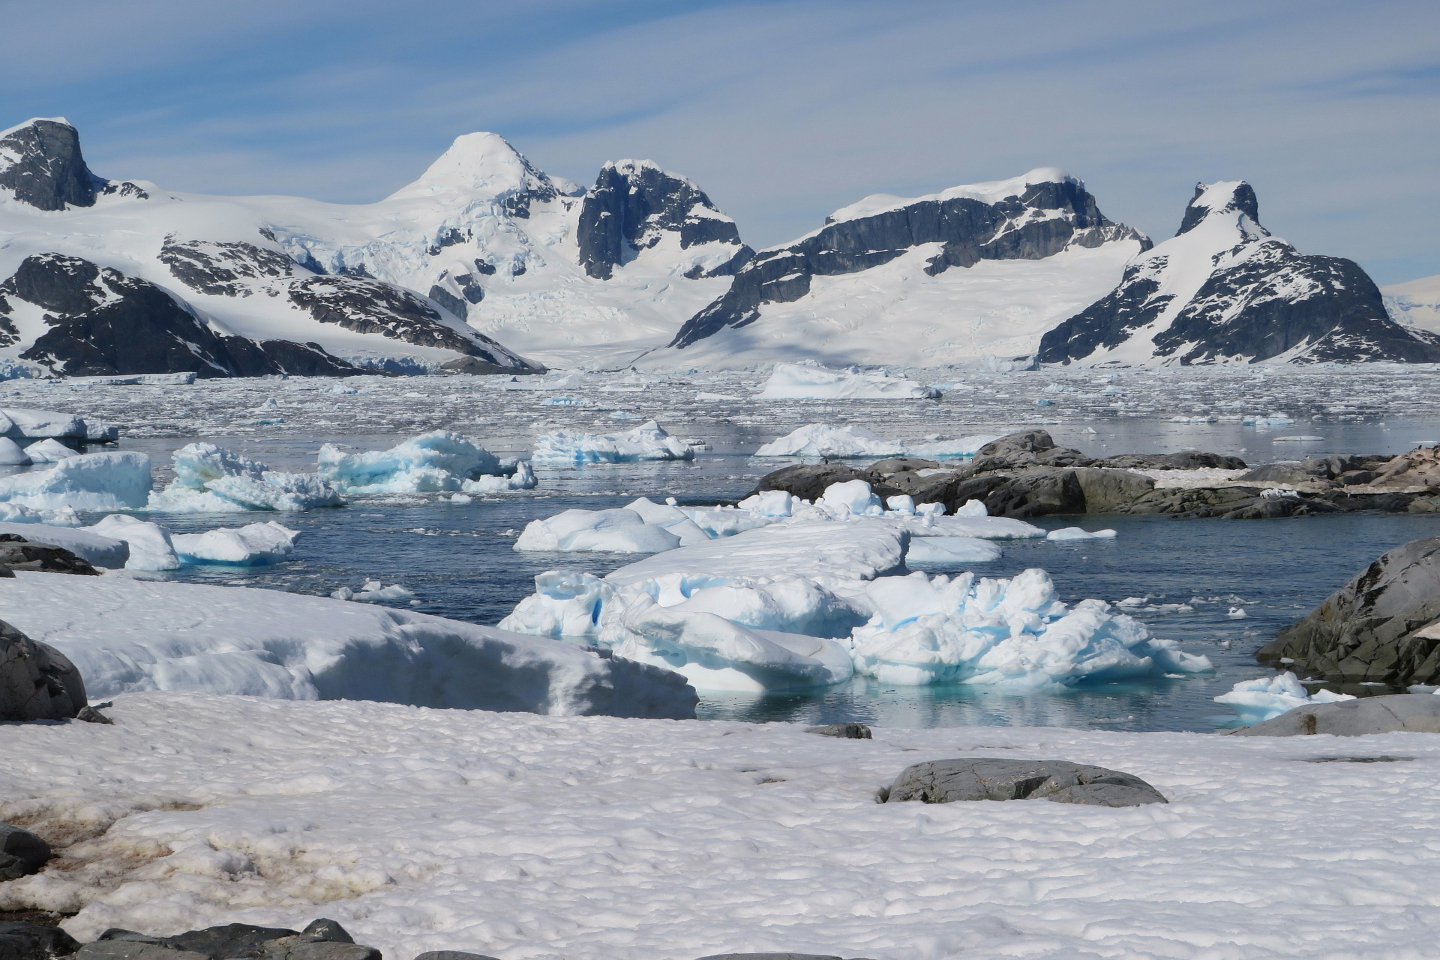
(1222, 200)
(481, 166)
(41, 165)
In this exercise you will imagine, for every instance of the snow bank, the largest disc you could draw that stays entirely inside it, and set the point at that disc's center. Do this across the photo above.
(91, 481)
(254, 544)
(804, 381)
(849, 441)
(126, 635)
(211, 479)
(96, 546)
(435, 462)
(514, 835)
(1258, 700)
(649, 441)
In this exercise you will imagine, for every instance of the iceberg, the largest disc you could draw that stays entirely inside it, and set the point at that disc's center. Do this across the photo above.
(949, 551)
(20, 423)
(1257, 700)
(850, 441)
(254, 544)
(211, 479)
(595, 531)
(649, 441)
(436, 462)
(151, 548)
(49, 450)
(1077, 533)
(522, 479)
(11, 454)
(89, 481)
(807, 381)
(127, 635)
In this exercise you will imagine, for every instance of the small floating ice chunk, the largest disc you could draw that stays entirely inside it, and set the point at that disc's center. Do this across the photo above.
(901, 503)
(970, 508)
(49, 450)
(523, 478)
(1257, 700)
(596, 531)
(852, 497)
(372, 591)
(254, 544)
(1077, 533)
(649, 441)
(849, 440)
(1237, 613)
(768, 503)
(434, 462)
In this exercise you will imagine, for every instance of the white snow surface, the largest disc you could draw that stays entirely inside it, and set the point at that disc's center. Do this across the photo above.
(1415, 304)
(96, 546)
(600, 839)
(810, 381)
(128, 635)
(852, 441)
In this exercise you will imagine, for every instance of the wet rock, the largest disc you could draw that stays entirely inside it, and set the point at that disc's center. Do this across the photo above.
(1381, 626)
(21, 940)
(845, 731)
(1405, 712)
(985, 778)
(21, 853)
(1111, 491)
(37, 682)
(1036, 493)
(893, 465)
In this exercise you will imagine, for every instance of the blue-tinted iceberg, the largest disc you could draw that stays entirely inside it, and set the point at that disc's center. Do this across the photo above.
(91, 481)
(649, 441)
(1257, 700)
(211, 479)
(436, 462)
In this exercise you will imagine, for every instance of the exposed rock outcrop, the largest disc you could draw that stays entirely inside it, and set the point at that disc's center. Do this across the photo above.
(1382, 626)
(986, 778)
(37, 682)
(21, 853)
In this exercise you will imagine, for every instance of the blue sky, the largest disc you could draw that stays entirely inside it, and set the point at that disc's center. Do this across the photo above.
(781, 111)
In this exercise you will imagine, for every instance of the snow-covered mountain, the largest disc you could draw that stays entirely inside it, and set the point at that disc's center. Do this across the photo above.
(975, 271)
(1415, 303)
(482, 243)
(1223, 290)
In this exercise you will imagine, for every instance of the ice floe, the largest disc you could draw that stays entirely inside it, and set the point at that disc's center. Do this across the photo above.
(851, 441)
(805, 381)
(20, 423)
(127, 635)
(91, 481)
(435, 462)
(254, 544)
(649, 441)
(12, 454)
(151, 547)
(49, 450)
(1257, 700)
(1078, 533)
(211, 479)
(374, 591)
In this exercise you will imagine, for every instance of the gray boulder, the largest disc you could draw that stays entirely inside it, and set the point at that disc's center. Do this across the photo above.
(37, 682)
(1382, 626)
(18, 553)
(231, 941)
(328, 930)
(1404, 712)
(34, 941)
(1110, 490)
(809, 480)
(989, 778)
(845, 731)
(21, 853)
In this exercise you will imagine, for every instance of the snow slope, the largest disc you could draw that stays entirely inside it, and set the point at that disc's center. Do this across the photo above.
(527, 837)
(127, 635)
(1416, 303)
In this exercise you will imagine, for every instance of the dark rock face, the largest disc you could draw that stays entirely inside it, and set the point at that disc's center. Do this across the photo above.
(1262, 299)
(105, 323)
(48, 171)
(1013, 229)
(633, 205)
(1406, 712)
(845, 731)
(1380, 626)
(37, 682)
(18, 553)
(369, 306)
(808, 481)
(225, 269)
(21, 854)
(232, 941)
(34, 941)
(1184, 460)
(984, 778)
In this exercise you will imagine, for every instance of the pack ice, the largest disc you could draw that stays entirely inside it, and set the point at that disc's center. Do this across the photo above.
(809, 381)
(129, 635)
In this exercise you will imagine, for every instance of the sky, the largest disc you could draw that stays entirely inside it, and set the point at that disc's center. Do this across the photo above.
(780, 111)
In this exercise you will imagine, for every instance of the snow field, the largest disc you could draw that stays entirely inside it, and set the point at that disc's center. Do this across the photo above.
(810, 381)
(127, 635)
(602, 839)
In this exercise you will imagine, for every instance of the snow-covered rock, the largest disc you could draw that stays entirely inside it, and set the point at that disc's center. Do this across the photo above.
(91, 481)
(126, 635)
(649, 441)
(435, 462)
(1223, 290)
(254, 544)
(1255, 701)
(211, 479)
(808, 381)
(97, 546)
(965, 275)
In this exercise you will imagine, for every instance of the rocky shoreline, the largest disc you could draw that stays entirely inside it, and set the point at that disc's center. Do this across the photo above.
(1026, 475)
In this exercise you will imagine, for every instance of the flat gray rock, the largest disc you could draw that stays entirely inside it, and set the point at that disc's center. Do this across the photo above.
(845, 731)
(990, 778)
(21, 853)
(1401, 713)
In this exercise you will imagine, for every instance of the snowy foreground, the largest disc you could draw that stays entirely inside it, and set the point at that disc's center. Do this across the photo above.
(521, 836)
